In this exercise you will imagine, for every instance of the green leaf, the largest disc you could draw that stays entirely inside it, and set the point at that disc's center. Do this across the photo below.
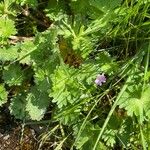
(130, 100)
(109, 137)
(26, 49)
(87, 8)
(126, 132)
(41, 79)
(3, 95)
(9, 54)
(37, 102)
(147, 76)
(56, 10)
(7, 27)
(6, 8)
(65, 88)
(107, 63)
(13, 75)
(46, 47)
(83, 45)
(146, 101)
(88, 72)
(84, 5)
(17, 106)
(104, 5)
(43, 73)
(87, 138)
(32, 3)
(136, 102)
(31, 105)
(71, 117)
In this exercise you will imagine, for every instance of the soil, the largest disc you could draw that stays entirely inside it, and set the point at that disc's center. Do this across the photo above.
(12, 140)
(13, 136)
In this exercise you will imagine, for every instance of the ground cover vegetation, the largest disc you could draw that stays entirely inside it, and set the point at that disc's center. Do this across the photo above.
(80, 68)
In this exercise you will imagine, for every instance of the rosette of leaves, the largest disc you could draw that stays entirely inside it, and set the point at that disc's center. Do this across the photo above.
(13, 74)
(3, 95)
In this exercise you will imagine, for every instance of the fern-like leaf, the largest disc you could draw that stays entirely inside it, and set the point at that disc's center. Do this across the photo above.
(65, 88)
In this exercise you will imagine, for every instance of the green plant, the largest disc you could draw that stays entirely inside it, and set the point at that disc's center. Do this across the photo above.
(55, 70)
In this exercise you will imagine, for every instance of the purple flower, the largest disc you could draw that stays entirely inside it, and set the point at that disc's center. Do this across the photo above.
(100, 79)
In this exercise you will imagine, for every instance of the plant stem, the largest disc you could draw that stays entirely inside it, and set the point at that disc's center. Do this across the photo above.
(111, 112)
